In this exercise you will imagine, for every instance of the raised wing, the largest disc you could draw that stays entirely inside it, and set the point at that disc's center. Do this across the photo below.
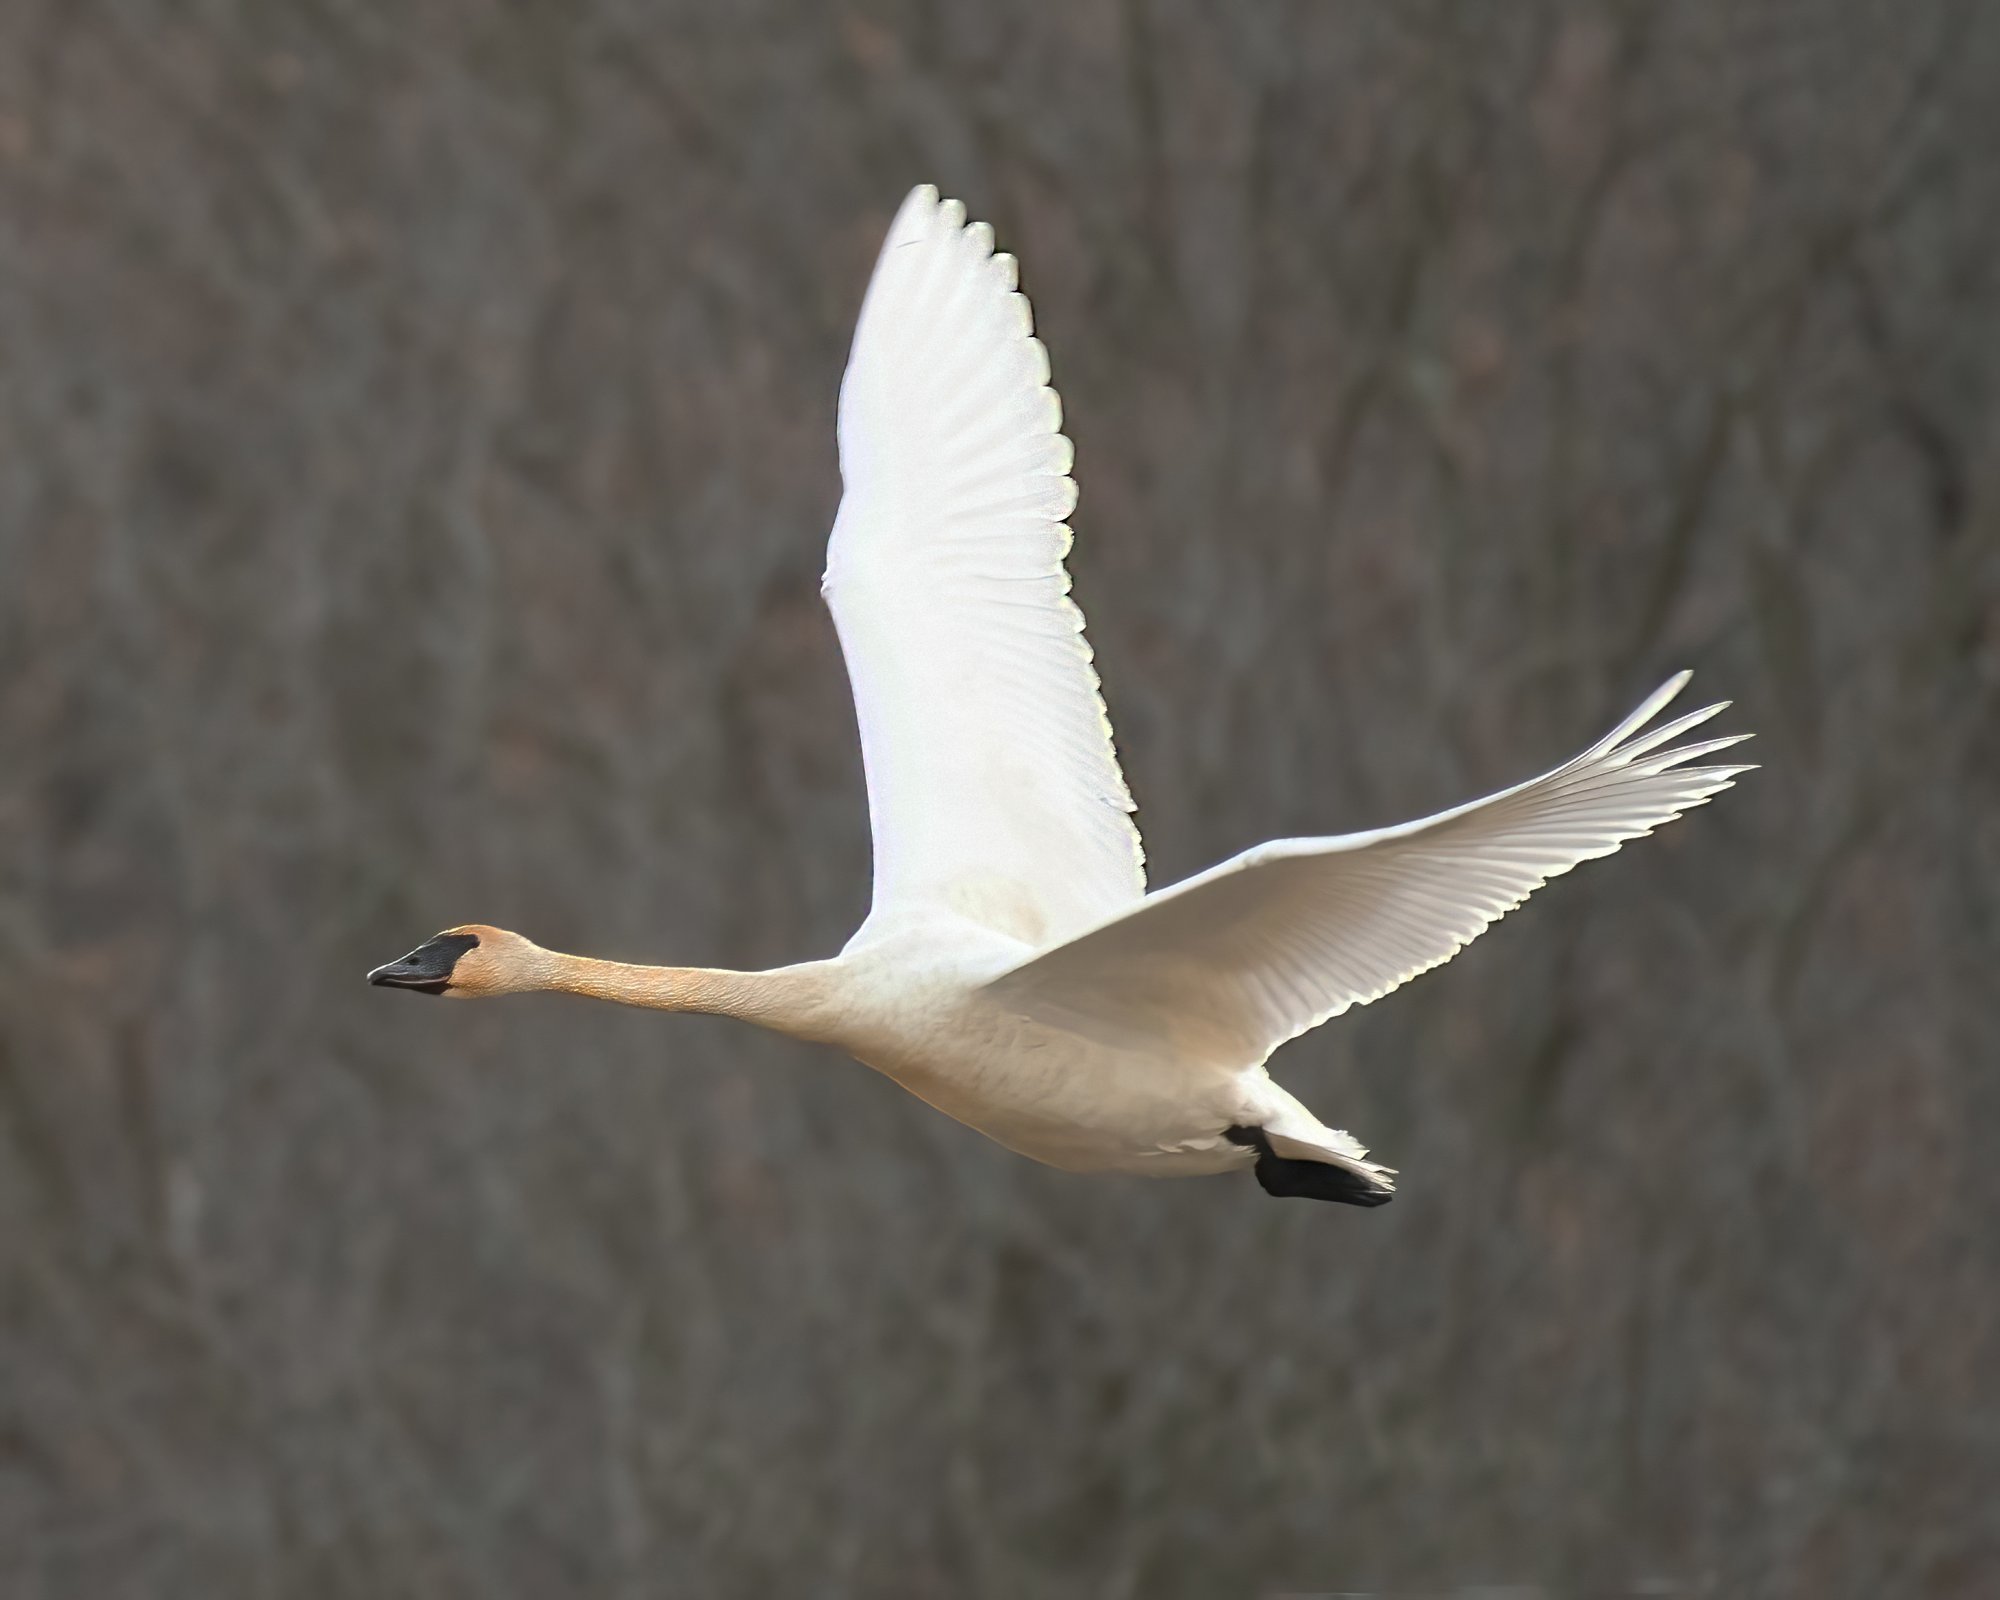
(1240, 958)
(993, 788)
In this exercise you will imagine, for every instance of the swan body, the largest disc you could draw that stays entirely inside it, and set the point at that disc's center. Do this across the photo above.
(1012, 970)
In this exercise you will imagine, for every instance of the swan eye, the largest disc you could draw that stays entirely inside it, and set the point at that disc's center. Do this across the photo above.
(427, 968)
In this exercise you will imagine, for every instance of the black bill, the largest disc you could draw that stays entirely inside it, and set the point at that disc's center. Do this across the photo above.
(427, 969)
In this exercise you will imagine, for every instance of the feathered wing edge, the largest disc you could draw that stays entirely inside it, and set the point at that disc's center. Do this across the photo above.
(1290, 934)
(946, 565)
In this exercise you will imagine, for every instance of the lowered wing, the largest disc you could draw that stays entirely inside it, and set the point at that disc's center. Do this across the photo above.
(1238, 959)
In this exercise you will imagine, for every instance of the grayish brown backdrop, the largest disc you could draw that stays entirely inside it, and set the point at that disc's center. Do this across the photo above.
(415, 455)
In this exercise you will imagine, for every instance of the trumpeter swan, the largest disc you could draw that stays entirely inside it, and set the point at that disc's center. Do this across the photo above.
(1012, 969)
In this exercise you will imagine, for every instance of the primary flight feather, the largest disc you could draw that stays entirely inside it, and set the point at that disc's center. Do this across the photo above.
(993, 788)
(1012, 970)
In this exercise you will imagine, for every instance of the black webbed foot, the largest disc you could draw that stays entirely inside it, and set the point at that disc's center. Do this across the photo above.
(1290, 1178)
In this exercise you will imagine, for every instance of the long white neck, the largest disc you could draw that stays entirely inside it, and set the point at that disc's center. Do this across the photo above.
(796, 1000)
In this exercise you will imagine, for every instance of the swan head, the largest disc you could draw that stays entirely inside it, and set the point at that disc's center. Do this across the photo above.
(465, 962)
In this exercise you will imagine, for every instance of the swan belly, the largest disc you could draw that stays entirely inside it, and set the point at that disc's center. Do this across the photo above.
(1085, 1107)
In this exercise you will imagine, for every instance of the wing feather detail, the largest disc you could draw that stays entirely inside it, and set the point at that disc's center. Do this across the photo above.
(994, 790)
(1256, 951)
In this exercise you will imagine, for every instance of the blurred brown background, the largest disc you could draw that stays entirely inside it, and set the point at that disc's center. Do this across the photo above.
(416, 450)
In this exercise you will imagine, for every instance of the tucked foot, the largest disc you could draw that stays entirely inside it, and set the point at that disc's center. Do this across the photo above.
(1288, 1177)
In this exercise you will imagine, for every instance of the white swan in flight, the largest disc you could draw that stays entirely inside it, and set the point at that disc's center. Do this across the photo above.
(1012, 970)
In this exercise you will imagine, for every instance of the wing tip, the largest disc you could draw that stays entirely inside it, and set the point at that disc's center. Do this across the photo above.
(918, 208)
(1667, 760)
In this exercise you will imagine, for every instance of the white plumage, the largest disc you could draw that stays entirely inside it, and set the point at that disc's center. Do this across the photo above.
(1012, 969)
(993, 788)
(1000, 814)
(1292, 933)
